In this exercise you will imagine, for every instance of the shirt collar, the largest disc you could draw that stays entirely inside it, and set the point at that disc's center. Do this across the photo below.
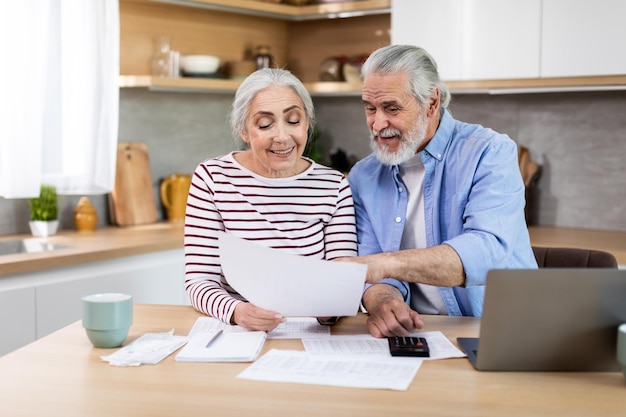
(438, 144)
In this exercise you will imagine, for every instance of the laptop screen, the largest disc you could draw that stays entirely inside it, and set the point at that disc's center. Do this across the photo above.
(551, 320)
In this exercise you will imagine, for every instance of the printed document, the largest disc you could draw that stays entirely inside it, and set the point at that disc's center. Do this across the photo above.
(292, 328)
(297, 366)
(365, 346)
(291, 285)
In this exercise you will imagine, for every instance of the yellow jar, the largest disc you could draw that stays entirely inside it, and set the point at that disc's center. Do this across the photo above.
(85, 216)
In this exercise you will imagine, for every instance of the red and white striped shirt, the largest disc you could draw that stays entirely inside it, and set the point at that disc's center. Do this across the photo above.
(310, 214)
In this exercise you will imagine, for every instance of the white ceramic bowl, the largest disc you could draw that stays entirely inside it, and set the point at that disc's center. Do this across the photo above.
(199, 64)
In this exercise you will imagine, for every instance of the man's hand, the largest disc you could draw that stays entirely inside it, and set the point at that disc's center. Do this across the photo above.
(438, 265)
(255, 318)
(375, 265)
(389, 314)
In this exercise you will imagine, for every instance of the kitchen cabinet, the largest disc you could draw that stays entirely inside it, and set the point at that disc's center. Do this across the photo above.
(583, 38)
(301, 37)
(501, 39)
(17, 318)
(45, 301)
(484, 39)
(507, 45)
(421, 23)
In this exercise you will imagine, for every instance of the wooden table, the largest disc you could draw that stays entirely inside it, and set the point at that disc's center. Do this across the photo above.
(62, 375)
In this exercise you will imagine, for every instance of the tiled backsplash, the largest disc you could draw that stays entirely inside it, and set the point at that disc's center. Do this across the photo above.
(578, 138)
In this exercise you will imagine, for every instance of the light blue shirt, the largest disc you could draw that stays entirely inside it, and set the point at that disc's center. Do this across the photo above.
(474, 201)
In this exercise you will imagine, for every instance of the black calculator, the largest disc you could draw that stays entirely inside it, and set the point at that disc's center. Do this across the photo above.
(408, 346)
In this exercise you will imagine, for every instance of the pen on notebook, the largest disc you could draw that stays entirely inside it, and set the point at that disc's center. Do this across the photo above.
(214, 338)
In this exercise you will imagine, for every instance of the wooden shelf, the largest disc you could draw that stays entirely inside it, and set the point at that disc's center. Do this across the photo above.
(289, 12)
(519, 86)
(208, 85)
(539, 85)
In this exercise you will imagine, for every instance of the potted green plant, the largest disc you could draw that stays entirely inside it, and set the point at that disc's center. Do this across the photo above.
(44, 212)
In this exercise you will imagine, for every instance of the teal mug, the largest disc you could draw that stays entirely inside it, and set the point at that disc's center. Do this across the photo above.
(107, 318)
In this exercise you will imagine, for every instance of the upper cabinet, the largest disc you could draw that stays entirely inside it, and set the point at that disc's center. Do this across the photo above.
(501, 39)
(300, 37)
(502, 45)
(435, 26)
(582, 38)
(483, 39)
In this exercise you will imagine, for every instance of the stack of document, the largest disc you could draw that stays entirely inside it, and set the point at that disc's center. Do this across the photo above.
(301, 289)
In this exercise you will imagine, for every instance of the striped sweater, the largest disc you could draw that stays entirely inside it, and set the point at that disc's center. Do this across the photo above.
(309, 214)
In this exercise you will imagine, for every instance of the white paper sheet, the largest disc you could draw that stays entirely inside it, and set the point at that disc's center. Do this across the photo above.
(297, 366)
(227, 347)
(298, 328)
(292, 328)
(289, 284)
(149, 349)
(350, 346)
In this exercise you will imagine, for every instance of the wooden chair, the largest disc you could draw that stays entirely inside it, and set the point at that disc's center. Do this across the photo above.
(573, 258)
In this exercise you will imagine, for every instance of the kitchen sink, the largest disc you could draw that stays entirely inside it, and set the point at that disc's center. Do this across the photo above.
(17, 246)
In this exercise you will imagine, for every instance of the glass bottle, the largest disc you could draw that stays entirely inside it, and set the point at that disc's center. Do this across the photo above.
(161, 59)
(263, 57)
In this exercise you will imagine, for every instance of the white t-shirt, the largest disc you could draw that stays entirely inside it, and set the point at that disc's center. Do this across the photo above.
(425, 299)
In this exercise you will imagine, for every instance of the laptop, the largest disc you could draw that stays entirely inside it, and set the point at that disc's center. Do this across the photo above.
(549, 320)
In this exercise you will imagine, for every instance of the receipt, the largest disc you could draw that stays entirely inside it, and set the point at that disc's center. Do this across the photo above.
(149, 349)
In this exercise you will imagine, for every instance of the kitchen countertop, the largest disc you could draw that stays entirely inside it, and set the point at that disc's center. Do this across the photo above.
(116, 242)
(102, 244)
(563, 237)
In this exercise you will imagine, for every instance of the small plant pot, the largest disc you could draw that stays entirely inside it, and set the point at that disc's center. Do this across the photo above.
(40, 228)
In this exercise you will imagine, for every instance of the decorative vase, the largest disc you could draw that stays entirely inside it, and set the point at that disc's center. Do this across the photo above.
(174, 192)
(41, 228)
(85, 216)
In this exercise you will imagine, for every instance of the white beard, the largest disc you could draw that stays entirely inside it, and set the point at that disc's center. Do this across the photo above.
(408, 146)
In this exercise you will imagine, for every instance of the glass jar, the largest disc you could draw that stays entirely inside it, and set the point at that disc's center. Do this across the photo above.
(263, 57)
(160, 62)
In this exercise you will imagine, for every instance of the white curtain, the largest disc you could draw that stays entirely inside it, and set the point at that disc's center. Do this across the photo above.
(59, 96)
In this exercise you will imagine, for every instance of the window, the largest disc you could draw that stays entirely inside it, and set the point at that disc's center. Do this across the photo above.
(59, 96)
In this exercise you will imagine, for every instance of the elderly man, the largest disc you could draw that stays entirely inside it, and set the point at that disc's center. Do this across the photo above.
(439, 202)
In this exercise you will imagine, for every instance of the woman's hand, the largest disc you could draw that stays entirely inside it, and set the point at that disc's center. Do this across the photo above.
(255, 318)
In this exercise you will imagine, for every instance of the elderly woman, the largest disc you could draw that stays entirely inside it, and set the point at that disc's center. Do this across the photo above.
(268, 193)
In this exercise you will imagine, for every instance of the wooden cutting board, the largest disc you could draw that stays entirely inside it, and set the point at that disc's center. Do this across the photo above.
(132, 200)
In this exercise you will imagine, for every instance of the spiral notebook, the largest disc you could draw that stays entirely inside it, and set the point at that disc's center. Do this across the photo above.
(227, 347)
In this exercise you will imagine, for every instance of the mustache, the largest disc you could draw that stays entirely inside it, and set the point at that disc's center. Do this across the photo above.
(386, 133)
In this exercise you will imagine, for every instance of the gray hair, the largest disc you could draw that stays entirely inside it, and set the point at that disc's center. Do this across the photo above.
(414, 61)
(259, 81)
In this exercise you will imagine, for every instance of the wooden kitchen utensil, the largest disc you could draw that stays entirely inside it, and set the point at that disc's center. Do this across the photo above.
(132, 200)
